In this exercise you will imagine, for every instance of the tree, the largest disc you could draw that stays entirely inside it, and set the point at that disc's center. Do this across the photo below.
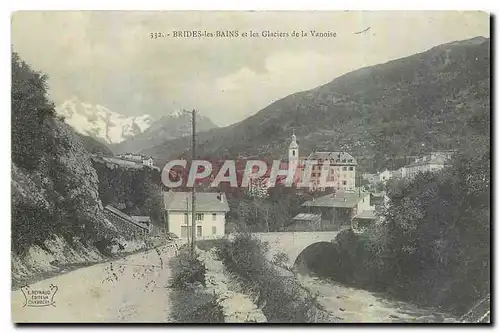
(30, 110)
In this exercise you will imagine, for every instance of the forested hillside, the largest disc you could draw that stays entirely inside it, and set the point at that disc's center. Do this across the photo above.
(379, 114)
(54, 187)
(135, 191)
(433, 244)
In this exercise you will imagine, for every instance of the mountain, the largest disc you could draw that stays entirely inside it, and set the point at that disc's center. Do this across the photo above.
(94, 146)
(379, 114)
(55, 205)
(175, 125)
(57, 214)
(100, 122)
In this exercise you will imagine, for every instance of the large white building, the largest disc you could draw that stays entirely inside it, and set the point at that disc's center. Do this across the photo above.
(429, 163)
(341, 171)
(211, 209)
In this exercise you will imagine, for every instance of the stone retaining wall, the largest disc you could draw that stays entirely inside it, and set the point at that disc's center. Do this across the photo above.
(237, 307)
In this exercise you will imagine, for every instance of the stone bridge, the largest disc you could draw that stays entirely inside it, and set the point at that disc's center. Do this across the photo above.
(293, 243)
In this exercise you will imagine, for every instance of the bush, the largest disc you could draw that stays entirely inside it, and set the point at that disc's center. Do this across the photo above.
(282, 299)
(280, 259)
(188, 271)
(209, 312)
(244, 256)
(207, 244)
(195, 306)
(433, 247)
(30, 226)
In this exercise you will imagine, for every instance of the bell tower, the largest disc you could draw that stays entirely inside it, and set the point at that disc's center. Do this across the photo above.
(293, 149)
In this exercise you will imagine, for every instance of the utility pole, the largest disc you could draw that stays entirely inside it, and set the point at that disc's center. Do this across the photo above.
(193, 191)
(163, 220)
(359, 185)
(267, 218)
(187, 218)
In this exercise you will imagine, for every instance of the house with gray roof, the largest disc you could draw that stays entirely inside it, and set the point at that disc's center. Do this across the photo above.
(210, 219)
(338, 209)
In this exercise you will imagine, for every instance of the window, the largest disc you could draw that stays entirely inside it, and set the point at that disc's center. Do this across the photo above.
(186, 218)
(293, 152)
(214, 217)
(350, 161)
(343, 161)
(344, 182)
(214, 230)
(351, 168)
(199, 216)
(344, 168)
(198, 231)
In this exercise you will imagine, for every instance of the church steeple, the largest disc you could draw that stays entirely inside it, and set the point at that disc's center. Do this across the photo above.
(293, 149)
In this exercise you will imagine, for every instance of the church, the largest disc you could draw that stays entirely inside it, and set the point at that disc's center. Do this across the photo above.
(340, 174)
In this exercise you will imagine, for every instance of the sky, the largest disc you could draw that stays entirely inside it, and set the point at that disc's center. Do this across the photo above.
(109, 58)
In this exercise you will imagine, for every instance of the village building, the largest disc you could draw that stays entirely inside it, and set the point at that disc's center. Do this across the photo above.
(305, 222)
(130, 156)
(400, 173)
(125, 224)
(210, 219)
(364, 220)
(428, 163)
(338, 209)
(131, 159)
(115, 162)
(383, 177)
(148, 162)
(341, 171)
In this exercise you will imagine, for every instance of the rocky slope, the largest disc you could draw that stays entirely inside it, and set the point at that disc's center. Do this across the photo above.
(57, 215)
(39, 197)
(71, 224)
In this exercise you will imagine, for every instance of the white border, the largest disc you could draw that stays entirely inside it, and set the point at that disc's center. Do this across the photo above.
(7, 8)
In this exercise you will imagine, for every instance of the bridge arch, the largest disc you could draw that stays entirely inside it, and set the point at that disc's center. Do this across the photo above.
(315, 258)
(293, 243)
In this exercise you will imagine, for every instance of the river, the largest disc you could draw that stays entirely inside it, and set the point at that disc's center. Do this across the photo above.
(136, 289)
(351, 305)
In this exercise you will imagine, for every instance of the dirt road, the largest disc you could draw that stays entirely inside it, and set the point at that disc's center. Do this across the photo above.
(131, 289)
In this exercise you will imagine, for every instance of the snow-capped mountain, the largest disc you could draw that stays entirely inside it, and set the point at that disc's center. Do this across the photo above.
(100, 122)
(168, 127)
